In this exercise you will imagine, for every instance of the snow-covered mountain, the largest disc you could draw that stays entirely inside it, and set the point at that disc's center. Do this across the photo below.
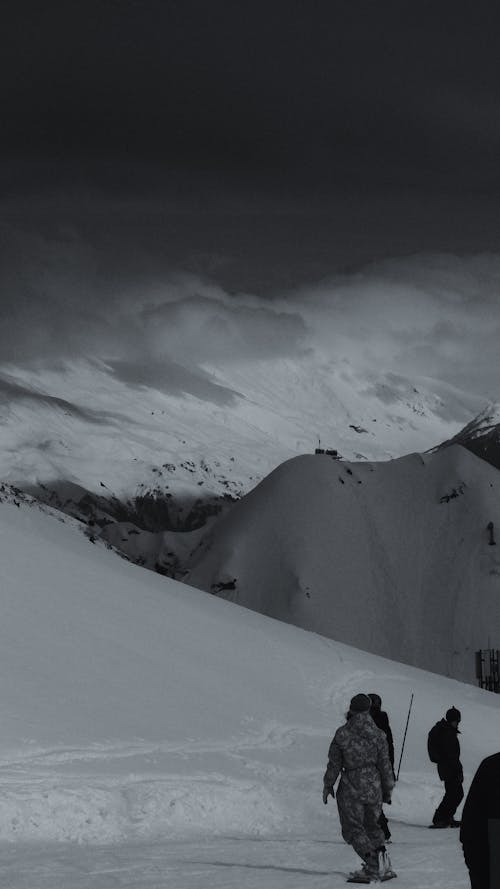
(148, 458)
(163, 446)
(206, 429)
(166, 398)
(392, 557)
(481, 435)
(184, 737)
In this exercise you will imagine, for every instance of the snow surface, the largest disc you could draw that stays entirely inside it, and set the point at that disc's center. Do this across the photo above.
(155, 736)
(392, 557)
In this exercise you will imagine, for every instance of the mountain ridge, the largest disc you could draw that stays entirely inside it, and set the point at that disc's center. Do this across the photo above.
(481, 435)
(404, 545)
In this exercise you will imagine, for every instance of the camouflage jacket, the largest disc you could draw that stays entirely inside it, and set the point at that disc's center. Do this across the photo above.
(359, 754)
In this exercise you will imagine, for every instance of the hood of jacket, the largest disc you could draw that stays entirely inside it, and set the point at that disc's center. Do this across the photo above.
(361, 724)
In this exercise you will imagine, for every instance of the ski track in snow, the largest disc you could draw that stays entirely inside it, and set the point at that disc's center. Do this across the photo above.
(230, 862)
(272, 736)
(118, 792)
(112, 839)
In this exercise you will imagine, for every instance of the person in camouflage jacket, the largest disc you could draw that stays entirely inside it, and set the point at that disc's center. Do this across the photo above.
(359, 754)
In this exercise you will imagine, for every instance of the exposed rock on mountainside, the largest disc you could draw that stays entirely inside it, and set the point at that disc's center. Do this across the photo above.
(481, 436)
(153, 529)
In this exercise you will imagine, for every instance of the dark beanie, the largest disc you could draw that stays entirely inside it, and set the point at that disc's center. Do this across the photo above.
(360, 704)
(376, 701)
(453, 715)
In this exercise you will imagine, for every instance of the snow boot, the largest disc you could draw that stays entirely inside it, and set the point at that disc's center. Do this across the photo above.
(385, 871)
(369, 872)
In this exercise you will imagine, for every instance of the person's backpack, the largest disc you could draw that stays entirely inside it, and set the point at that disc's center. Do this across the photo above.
(433, 745)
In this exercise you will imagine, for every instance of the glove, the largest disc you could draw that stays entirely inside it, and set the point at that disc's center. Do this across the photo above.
(328, 791)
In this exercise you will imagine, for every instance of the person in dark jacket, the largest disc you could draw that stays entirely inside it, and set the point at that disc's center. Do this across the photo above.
(477, 833)
(381, 720)
(447, 756)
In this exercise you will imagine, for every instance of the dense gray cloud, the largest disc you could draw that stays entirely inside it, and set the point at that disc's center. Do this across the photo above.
(60, 299)
(223, 329)
(213, 182)
(435, 315)
(429, 316)
(54, 300)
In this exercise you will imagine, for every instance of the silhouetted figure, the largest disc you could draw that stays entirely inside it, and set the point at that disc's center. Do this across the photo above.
(381, 720)
(444, 749)
(481, 810)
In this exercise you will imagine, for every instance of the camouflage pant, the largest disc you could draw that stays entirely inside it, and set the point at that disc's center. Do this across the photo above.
(359, 823)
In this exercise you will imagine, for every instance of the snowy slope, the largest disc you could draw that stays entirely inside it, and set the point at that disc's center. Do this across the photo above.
(391, 557)
(134, 706)
(181, 740)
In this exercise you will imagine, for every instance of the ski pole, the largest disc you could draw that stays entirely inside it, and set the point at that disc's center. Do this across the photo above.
(404, 737)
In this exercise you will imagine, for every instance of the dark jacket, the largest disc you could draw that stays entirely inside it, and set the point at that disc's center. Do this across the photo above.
(448, 764)
(381, 720)
(481, 805)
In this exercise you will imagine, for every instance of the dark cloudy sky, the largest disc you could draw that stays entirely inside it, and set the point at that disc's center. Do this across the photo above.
(266, 144)
(203, 177)
(302, 96)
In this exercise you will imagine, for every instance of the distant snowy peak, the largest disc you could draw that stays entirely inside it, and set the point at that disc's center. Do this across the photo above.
(149, 430)
(481, 436)
(486, 423)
